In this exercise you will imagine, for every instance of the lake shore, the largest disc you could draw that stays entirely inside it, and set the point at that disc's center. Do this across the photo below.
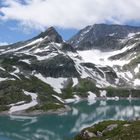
(36, 112)
(62, 110)
(111, 129)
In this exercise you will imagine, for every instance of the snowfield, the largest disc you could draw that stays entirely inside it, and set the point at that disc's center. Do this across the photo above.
(56, 83)
(102, 58)
(16, 107)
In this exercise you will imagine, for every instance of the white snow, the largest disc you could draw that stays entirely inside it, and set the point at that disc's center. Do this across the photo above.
(49, 56)
(39, 50)
(117, 81)
(91, 96)
(17, 69)
(35, 41)
(58, 98)
(75, 82)
(77, 98)
(56, 83)
(2, 68)
(26, 61)
(116, 98)
(15, 72)
(137, 82)
(123, 75)
(131, 34)
(71, 100)
(88, 72)
(82, 71)
(2, 79)
(21, 102)
(129, 74)
(22, 47)
(17, 107)
(103, 93)
(136, 70)
(112, 34)
(101, 58)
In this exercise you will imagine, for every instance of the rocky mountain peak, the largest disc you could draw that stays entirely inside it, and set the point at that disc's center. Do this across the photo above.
(52, 34)
(102, 36)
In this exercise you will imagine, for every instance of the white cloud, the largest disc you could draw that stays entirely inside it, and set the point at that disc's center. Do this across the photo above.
(3, 43)
(70, 13)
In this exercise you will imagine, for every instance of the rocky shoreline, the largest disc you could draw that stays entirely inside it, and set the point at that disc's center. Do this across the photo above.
(37, 112)
(112, 130)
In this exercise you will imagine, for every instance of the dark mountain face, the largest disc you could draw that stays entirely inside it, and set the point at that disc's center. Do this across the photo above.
(45, 71)
(102, 37)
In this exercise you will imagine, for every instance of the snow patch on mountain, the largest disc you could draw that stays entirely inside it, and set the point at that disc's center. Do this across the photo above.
(26, 61)
(17, 71)
(56, 83)
(137, 82)
(137, 69)
(112, 34)
(16, 107)
(58, 98)
(131, 34)
(22, 47)
(81, 70)
(3, 79)
(49, 56)
(103, 93)
(75, 99)
(102, 58)
(2, 69)
(91, 96)
(75, 82)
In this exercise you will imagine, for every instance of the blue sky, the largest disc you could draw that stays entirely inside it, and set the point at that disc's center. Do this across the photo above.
(11, 32)
(24, 19)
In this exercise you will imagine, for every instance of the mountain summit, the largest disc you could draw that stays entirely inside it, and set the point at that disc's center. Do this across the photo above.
(102, 36)
(52, 34)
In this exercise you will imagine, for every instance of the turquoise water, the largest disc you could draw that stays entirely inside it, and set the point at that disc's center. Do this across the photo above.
(66, 125)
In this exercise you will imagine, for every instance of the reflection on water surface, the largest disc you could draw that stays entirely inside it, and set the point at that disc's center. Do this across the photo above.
(66, 125)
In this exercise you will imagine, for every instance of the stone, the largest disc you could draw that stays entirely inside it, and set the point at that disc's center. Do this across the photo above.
(91, 135)
(126, 125)
(111, 127)
(86, 135)
(99, 134)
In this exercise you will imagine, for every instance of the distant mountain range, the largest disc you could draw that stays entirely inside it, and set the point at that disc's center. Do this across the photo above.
(46, 72)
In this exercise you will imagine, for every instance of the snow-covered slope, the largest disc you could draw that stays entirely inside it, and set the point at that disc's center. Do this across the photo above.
(52, 72)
